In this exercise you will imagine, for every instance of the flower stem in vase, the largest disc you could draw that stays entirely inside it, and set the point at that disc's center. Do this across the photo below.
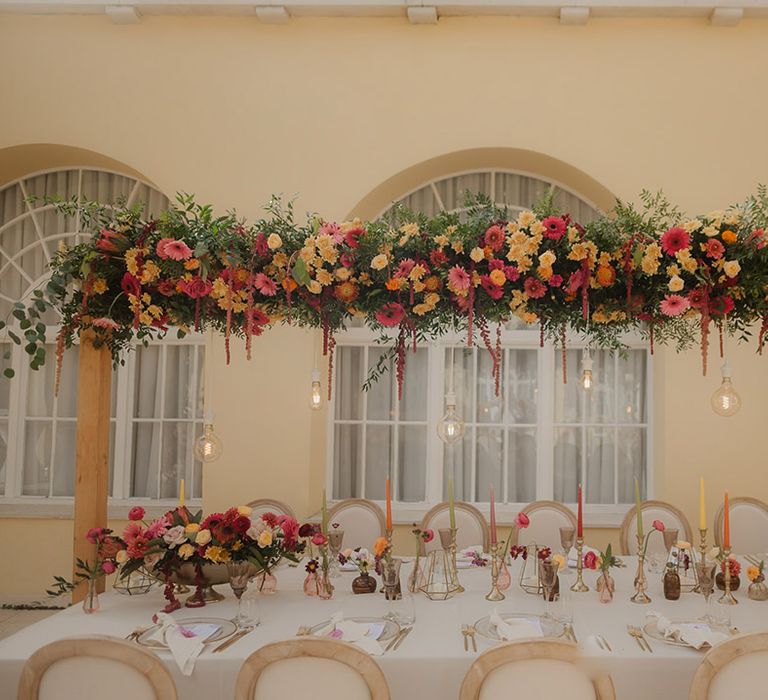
(91, 601)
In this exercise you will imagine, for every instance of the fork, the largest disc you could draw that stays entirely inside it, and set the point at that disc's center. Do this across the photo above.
(303, 631)
(471, 635)
(133, 636)
(465, 634)
(603, 643)
(570, 633)
(642, 642)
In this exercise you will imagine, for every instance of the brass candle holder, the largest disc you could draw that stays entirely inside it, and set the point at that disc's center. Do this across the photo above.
(579, 586)
(727, 597)
(388, 536)
(495, 594)
(702, 554)
(454, 552)
(640, 581)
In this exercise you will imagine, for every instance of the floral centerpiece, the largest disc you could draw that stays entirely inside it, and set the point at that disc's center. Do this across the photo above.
(603, 561)
(717, 554)
(757, 589)
(184, 546)
(364, 562)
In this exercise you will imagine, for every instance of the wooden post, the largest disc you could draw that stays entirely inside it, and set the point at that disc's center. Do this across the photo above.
(92, 460)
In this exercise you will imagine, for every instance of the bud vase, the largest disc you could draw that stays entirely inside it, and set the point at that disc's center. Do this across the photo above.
(415, 578)
(757, 589)
(91, 602)
(311, 584)
(605, 588)
(325, 587)
(504, 581)
(364, 583)
(266, 583)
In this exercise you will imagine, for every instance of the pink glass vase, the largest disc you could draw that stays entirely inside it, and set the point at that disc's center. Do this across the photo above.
(504, 581)
(311, 585)
(266, 583)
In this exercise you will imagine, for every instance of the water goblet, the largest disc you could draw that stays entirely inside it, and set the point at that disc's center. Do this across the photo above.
(548, 577)
(706, 575)
(335, 539)
(567, 535)
(240, 572)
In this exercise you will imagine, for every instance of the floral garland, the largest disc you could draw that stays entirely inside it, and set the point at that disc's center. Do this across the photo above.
(410, 277)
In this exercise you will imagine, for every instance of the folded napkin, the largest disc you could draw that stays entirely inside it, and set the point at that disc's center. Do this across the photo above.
(696, 634)
(516, 627)
(363, 636)
(572, 554)
(183, 643)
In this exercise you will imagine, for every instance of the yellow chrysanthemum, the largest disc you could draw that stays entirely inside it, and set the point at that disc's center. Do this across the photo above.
(99, 286)
(216, 554)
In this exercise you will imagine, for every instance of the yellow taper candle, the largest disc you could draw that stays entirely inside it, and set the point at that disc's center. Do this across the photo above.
(181, 493)
(702, 506)
(451, 510)
(639, 509)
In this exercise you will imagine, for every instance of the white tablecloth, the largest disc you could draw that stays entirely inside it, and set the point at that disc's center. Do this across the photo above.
(431, 662)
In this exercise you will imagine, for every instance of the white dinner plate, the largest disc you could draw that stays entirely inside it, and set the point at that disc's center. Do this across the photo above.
(391, 628)
(549, 627)
(226, 629)
(653, 632)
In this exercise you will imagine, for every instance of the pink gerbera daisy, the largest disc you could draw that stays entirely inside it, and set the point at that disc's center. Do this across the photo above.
(493, 290)
(494, 237)
(534, 288)
(106, 323)
(266, 285)
(674, 305)
(177, 250)
(674, 240)
(331, 228)
(458, 279)
(555, 227)
(390, 314)
(160, 248)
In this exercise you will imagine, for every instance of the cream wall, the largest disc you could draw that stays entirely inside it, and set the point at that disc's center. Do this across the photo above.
(234, 110)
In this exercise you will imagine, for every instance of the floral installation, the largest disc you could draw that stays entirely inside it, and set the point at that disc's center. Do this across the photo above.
(672, 277)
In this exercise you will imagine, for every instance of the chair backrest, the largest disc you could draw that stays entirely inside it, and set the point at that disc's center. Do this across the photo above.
(471, 527)
(321, 669)
(749, 526)
(90, 668)
(733, 668)
(270, 505)
(547, 517)
(362, 521)
(672, 518)
(541, 668)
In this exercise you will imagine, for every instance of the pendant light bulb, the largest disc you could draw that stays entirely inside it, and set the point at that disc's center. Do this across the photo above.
(586, 369)
(208, 447)
(316, 395)
(726, 401)
(450, 428)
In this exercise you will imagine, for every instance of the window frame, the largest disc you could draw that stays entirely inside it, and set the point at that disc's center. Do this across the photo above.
(595, 515)
(13, 504)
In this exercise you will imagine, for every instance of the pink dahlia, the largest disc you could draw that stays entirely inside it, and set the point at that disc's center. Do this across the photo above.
(351, 237)
(697, 298)
(556, 281)
(177, 250)
(390, 314)
(534, 288)
(105, 323)
(714, 249)
(437, 257)
(196, 288)
(266, 285)
(555, 227)
(458, 278)
(494, 237)
(674, 240)
(674, 305)
(512, 273)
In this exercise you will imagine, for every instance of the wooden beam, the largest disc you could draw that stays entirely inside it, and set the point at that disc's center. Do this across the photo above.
(92, 460)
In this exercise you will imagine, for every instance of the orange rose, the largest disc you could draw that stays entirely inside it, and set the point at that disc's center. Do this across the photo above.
(606, 275)
(393, 285)
(729, 236)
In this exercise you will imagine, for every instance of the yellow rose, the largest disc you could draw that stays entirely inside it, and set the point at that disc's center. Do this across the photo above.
(547, 259)
(498, 277)
(245, 510)
(477, 254)
(314, 287)
(732, 268)
(274, 241)
(380, 261)
(121, 557)
(265, 538)
(186, 551)
(216, 554)
(343, 274)
(192, 528)
(676, 284)
(203, 537)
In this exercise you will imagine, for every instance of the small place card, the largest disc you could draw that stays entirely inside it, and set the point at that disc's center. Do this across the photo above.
(203, 630)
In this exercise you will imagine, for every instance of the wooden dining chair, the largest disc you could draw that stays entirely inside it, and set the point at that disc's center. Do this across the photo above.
(749, 525)
(670, 515)
(734, 668)
(270, 505)
(471, 526)
(547, 517)
(541, 668)
(94, 667)
(321, 669)
(362, 521)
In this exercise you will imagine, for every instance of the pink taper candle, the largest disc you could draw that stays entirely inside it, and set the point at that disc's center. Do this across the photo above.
(493, 517)
(580, 528)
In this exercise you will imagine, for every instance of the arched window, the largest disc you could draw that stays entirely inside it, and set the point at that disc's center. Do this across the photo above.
(156, 404)
(538, 440)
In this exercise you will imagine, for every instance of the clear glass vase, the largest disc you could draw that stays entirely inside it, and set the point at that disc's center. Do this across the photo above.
(91, 601)
(266, 583)
(311, 585)
(605, 587)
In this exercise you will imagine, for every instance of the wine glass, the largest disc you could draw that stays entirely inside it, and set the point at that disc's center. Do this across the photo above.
(548, 577)
(706, 575)
(335, 538)
(390, 575)
(567, 535)
(240, 572)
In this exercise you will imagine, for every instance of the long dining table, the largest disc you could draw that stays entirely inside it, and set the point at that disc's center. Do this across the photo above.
(431, 662)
